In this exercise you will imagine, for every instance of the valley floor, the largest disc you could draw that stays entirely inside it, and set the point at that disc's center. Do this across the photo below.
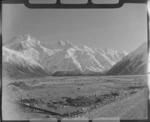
(119, 97)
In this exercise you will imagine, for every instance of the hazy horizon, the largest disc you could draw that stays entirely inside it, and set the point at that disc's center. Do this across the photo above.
(119, 29)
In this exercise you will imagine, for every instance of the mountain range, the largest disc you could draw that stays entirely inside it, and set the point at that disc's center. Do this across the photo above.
(26, 56)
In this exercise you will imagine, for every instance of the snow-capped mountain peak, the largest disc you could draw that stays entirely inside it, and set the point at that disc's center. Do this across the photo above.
(30, 42)
(61, 43)
(25, 37)
(22, 42)
(64, 45)
(63, 57)
(87, 49)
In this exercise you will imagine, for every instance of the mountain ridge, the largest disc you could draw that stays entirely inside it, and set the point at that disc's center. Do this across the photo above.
(64, 58)
(134, 63)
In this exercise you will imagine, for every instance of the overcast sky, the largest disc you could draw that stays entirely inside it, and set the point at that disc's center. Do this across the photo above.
(120, 29)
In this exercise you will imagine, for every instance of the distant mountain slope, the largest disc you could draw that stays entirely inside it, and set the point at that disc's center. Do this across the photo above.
(134, 63)
(26, 55)
(16, 64)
